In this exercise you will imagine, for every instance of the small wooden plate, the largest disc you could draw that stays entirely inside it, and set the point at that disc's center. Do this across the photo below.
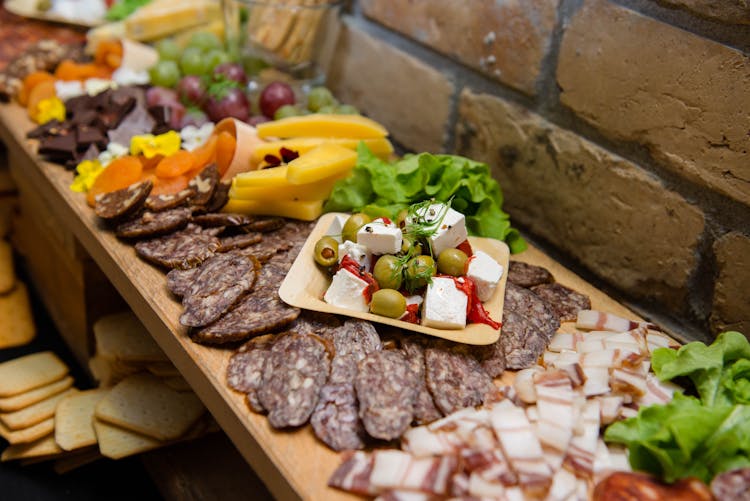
(306, 283)
(27, 8)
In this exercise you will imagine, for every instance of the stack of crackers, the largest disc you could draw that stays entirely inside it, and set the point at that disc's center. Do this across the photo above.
(142, 402)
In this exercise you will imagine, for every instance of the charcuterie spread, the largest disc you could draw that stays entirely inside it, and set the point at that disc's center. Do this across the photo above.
(374, 298)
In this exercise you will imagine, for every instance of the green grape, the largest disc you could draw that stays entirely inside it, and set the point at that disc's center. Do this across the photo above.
(347, 109)
(319, 97)
(168, 50)
(214, 58)
(327, 110)
(193, 62)
(205, 41)
(288, 110)
(165, 74)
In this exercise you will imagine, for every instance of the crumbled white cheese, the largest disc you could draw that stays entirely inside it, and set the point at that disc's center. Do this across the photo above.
(444, 305)
(485, 272)
(357, 252)
(68, 89)
(126, 76)
(347, 291)
(94, 86)
(194, 137)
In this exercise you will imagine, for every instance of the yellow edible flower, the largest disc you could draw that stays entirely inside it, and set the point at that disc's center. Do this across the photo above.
(49, 109)
(88, 171)
(149, 145)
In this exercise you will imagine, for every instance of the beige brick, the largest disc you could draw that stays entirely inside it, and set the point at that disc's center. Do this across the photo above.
(603, 210)
(726, 11)
(505, 39)
(731, 305)
(407, 96)
(684, 97)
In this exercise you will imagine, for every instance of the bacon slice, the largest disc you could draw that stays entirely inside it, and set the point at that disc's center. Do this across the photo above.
(598, 320)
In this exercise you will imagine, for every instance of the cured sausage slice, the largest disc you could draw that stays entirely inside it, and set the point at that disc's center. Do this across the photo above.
(158, 203)
(356, 337)
(259, 312)
(239, 241)
(219, 198)
(335, 420)
(182, 249)
(203, 185)
(180, 281)
(527, 275)
(732, 484)
(124, 202)
(151, 224)
(454, 378)
(220, 282)
(245, 369)
(265, 224)
(491, 357)
(425, 410)
(214, 219)
(528, 325)
(296, 368)
(564, 301)
(386, 388)
(321, 324)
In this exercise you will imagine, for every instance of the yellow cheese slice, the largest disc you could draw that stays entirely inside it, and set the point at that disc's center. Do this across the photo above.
(380, 147)
(327, 160)
(306, 210)
(323, 125)
(319, 190)
(272, 177)
(165, 17)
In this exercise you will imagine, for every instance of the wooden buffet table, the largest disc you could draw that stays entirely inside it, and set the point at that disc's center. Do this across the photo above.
(293, 464)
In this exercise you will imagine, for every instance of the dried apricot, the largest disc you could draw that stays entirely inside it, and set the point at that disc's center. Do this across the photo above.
(176, 164)
(40, 92)
(170, 185)
(31, 81)
(206, 154)
(119, 174)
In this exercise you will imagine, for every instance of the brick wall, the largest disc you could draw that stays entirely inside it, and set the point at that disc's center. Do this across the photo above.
(619, 130)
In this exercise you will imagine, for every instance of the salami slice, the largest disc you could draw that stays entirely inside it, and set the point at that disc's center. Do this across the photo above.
(296, 369)
(732, 485)
(180, 281)
(158, 203)
(425, 410)
(260, 311)
(320, 324)
(151, 224)
(491, 357)
(386, 389)
(357, 338)
(528, 325)
(219, 198)
(245, 369)
(182, 249)
(214, 219)
(264, 224)
(124, 202)
(527, 275)
(203, 185)
(335, 419)
(240, 241)
(564, 301)
(221, 281)
(454, 378)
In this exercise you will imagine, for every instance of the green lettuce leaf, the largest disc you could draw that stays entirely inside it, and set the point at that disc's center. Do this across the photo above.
(383, 189)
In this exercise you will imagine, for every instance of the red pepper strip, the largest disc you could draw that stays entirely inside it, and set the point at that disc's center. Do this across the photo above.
(410, 315)
(386, 220)
(466, 247)
(475, 312)
(353, 267)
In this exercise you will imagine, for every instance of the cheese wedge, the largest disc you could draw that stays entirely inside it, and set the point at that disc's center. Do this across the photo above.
(319, 190)
(165, 17)
(380, 147)
(327, 160)
(323, 125)
(272, 177)
(306, 210)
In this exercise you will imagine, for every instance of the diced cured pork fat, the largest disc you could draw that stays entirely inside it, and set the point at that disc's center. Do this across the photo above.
(400, 495)
(524, 384)
(582, 450)
(482, 488)
(657, 392)
(564, 485)
(657, 339)
(394, 469)
(353, 474)
(556, 412)
(611, 405)
(598, 320)
(609, 459)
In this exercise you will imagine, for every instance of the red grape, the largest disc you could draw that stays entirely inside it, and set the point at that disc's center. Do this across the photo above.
(258, 119)
(232, 71)
(232, 103)
(161, 96)
(191, 90)
(274, 96)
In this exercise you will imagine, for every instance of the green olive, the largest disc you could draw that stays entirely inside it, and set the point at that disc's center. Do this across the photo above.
(419, 270)
(353, 224)
(401, 218)
(409, 244)
(452, 262)
(387, 272)
(326, 251)
(388, 302)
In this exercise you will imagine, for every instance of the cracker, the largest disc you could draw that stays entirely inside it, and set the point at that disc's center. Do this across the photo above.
(29, 434)
(144, 404)
(10, 404)
(45, 446)
(31, 415)
(74, 427)
(163, 369)
(7, 273)
(76, 460)
(123, 337)
(15, 318)
(177, 383)
(29, 372)
(117, 443)
(109, 372)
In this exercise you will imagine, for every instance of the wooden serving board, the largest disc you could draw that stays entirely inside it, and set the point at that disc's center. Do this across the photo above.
(293, 464)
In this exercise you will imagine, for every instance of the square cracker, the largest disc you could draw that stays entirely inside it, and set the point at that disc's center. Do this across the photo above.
(74, 419)
(117, 443)
(31, 415)
(15, 318)
(14, 403)
(26, 435)
(7, 272)
(45, 446)
(144, 404)
(123, 337)
(29, 372)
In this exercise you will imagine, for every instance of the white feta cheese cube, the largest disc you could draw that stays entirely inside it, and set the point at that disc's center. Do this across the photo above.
(337, 227)
(444, 305)
(452, 229)
(380, 237)
(485, 272)
(347, 291)
(357, 252)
